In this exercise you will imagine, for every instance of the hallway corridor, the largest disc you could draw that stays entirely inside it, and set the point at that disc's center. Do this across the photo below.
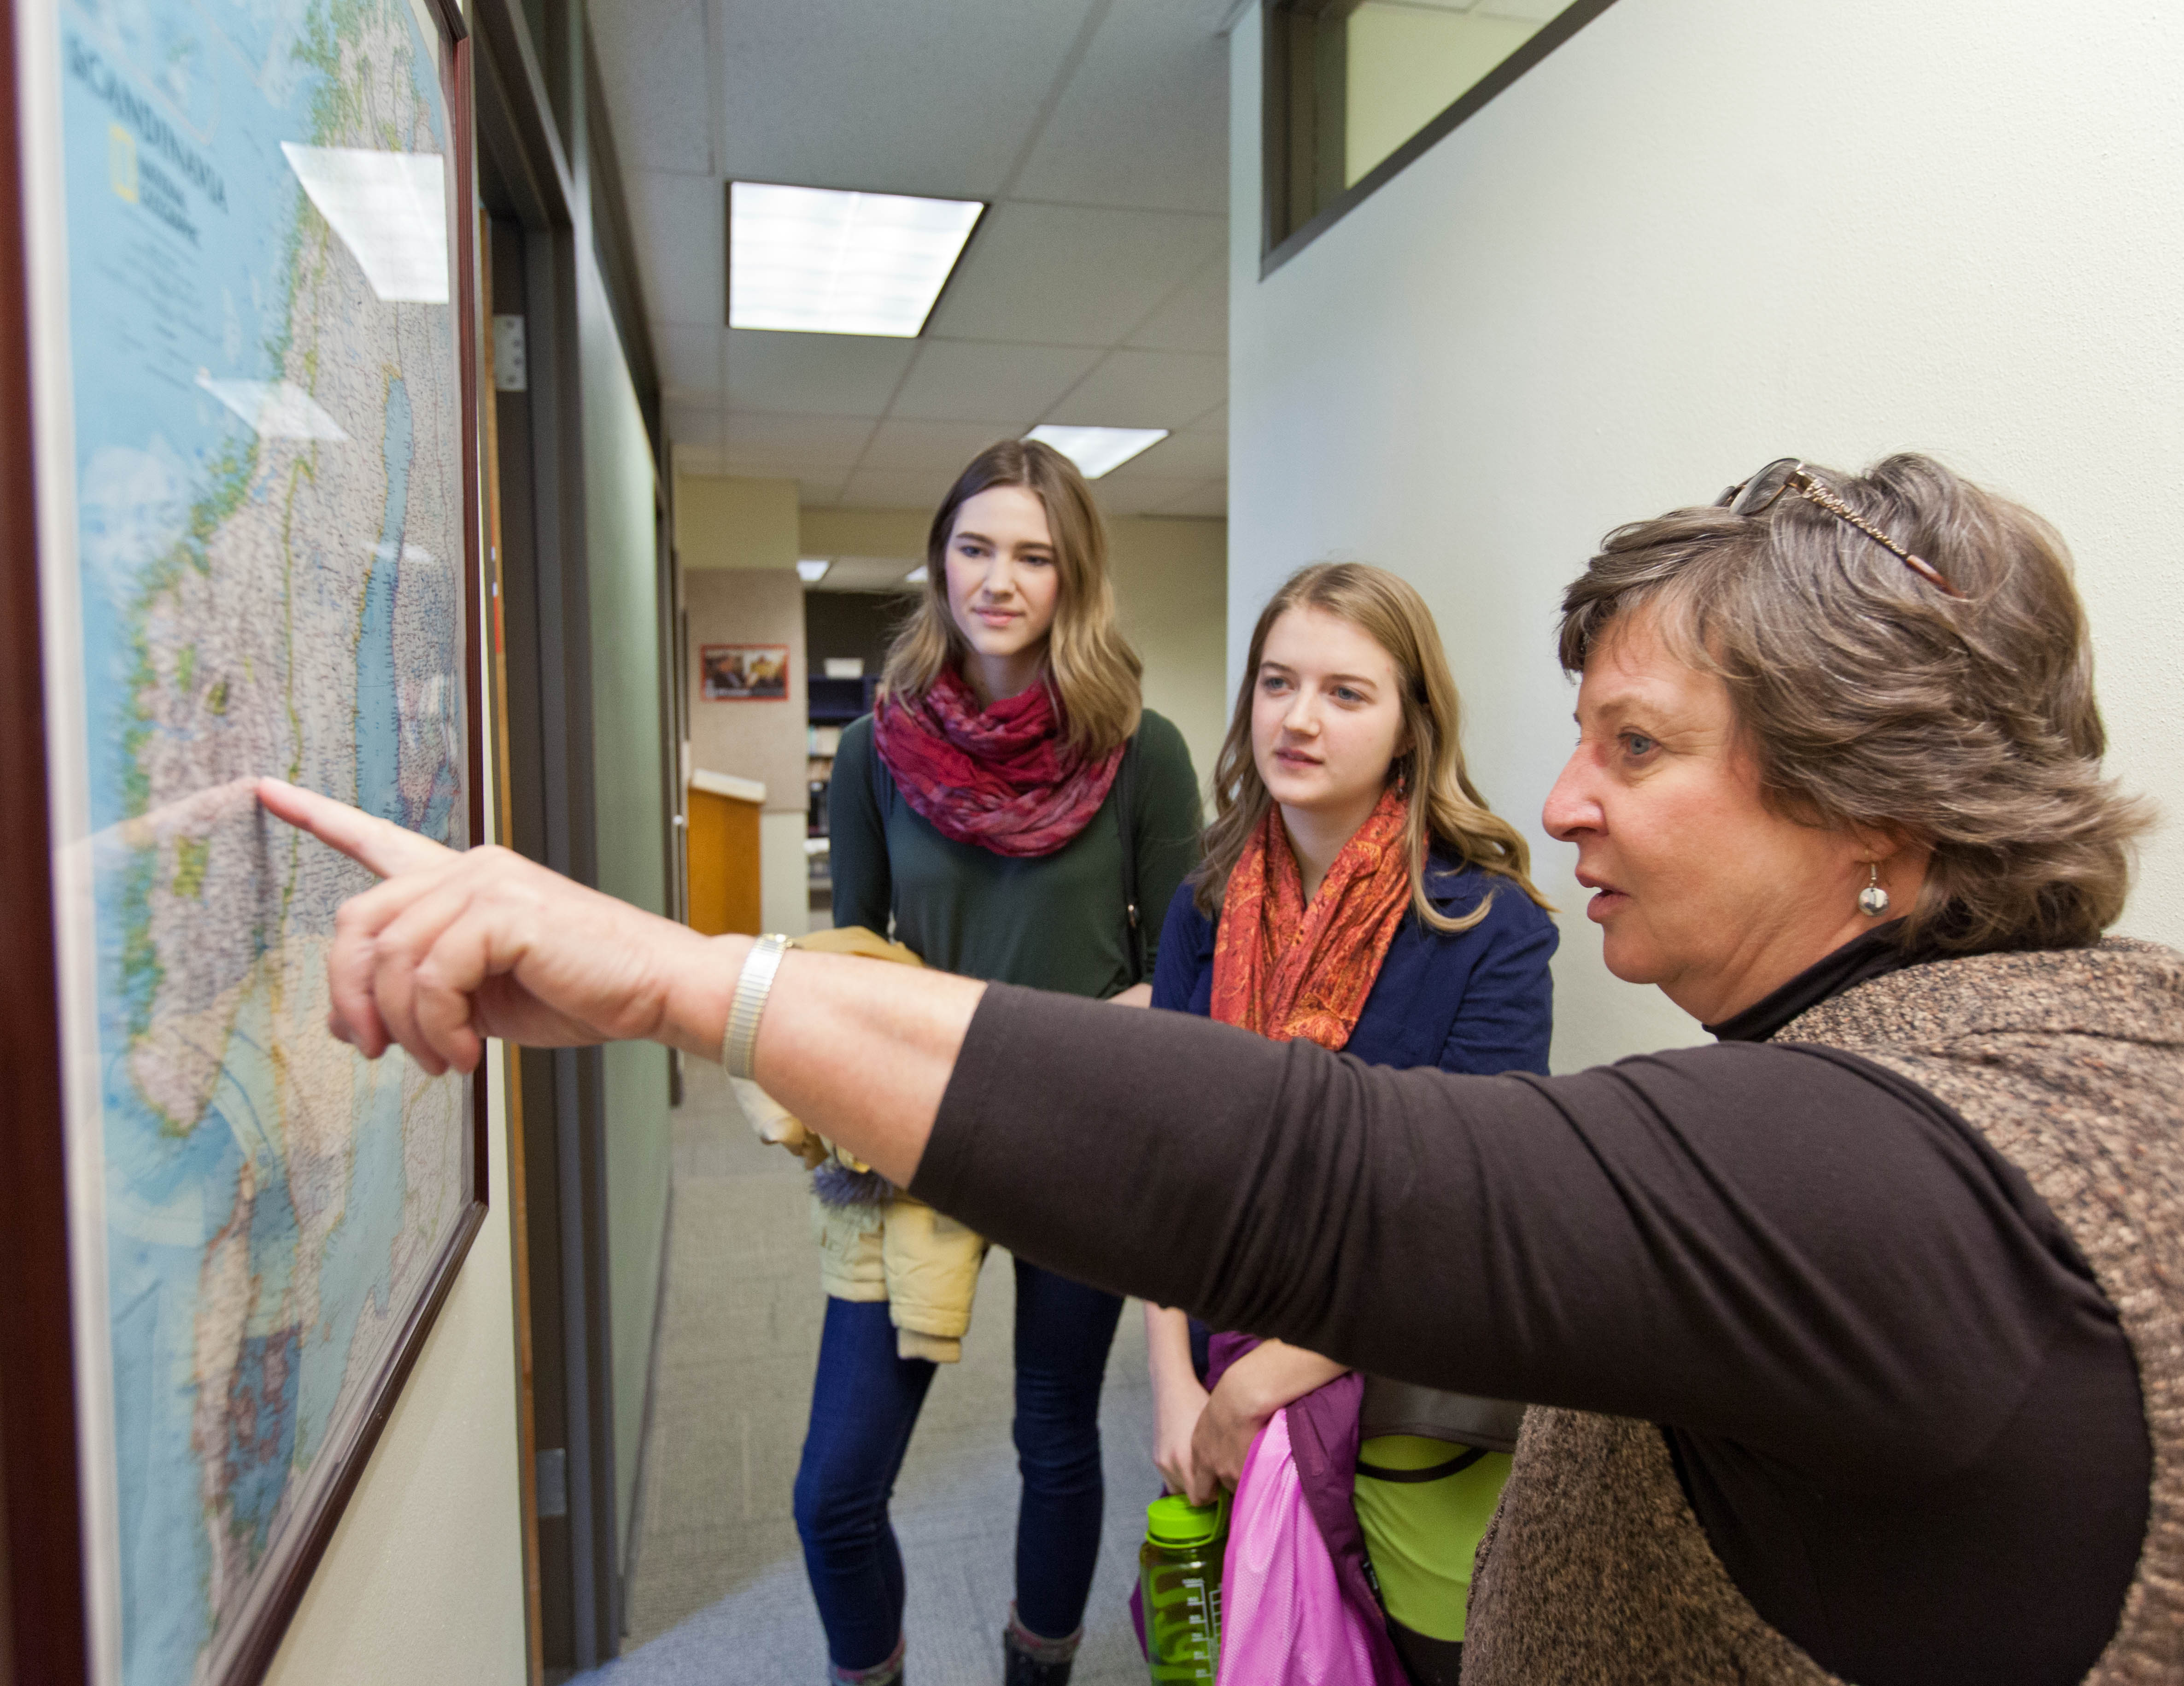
(717, 1596)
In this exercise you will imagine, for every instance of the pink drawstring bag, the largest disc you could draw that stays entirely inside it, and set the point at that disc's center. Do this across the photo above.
(1283, 1619)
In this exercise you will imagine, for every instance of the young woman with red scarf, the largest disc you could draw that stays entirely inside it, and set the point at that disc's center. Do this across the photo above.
(1356, 892)
(982, 808)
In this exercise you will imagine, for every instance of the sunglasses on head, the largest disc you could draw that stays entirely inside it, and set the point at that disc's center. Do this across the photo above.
(1760, 493)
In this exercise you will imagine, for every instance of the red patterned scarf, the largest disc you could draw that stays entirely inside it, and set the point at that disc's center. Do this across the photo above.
(1003, 778)
(1287, 970)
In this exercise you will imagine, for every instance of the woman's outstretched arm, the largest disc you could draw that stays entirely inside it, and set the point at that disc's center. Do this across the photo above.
(452, 947)
(1716, 1238)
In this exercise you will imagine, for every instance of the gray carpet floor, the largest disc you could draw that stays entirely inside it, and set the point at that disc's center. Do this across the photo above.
(716, 1594)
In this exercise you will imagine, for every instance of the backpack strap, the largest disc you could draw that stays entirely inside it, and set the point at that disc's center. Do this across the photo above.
(1126, 820)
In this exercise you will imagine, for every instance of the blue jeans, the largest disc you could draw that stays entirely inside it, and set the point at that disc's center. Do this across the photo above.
(865, 1403)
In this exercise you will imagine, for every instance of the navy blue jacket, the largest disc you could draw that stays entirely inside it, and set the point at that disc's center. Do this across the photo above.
(1478, 1001)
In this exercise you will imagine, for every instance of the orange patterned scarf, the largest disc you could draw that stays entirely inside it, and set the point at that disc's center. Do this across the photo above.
(1288, 971)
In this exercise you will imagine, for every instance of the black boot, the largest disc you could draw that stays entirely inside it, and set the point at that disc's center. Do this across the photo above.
(1030, 1661)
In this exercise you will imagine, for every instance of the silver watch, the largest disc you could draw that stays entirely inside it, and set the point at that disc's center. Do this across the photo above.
(754, 983)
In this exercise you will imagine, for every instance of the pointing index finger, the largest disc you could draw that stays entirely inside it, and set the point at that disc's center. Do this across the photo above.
(378, 845)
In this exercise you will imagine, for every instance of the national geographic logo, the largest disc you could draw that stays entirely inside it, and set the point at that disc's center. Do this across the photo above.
(142, 182)
(146, 182)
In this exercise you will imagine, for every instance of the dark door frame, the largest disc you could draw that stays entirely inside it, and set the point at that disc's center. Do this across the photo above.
(540, 176)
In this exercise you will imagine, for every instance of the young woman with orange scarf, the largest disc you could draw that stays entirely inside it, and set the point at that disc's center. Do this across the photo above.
(1356, 892)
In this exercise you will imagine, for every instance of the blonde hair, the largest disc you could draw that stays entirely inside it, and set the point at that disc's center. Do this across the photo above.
(1091, 668)
(1869, 699)
(1444, 805)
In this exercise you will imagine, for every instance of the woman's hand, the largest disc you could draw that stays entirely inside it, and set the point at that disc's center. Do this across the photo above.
(1251, 1391)
(1177, 1408)
(1228, 1426)
(453, 948)
(1177, 1400)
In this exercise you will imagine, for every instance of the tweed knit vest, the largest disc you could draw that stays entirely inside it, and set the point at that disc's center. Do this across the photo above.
(2071, 1063)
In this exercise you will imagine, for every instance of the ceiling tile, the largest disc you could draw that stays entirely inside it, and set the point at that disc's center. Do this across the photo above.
(794, 444)
(931, 447)
(895, 489)
(1140, 496)
(1194, 317)
(690, 363)
(1146, 389)
(792, 431)
(747, 464)
(1069, 275)
(960, 381)
(1215, 420)
(653, 68)
(696, 459)
(692, 424)
(1209, 499)
(827, 374)
(1180, 456)
(819, 492)
(678, 221)
(935, 97)
(1144, 119)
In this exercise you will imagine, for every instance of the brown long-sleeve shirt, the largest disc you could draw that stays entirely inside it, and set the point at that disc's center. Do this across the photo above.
(1900, 1405)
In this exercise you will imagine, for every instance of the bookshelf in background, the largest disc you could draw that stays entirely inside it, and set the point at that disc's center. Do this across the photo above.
(833, 699)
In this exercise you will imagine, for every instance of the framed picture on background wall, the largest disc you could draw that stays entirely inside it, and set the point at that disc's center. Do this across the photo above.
(744, 673)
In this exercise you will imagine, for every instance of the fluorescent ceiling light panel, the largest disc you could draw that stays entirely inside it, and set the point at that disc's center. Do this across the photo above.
(813, 569)
(275, 409)
(813, 260)
(1097, 450)
(390, 209)
(916, 576)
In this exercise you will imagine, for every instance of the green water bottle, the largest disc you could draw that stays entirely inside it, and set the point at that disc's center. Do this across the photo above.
(1179, 1572)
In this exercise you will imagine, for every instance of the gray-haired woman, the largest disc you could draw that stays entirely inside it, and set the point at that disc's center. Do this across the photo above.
(1861, 1333)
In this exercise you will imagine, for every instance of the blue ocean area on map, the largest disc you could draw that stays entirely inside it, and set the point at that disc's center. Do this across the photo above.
(261, 1185)
(162, 1520)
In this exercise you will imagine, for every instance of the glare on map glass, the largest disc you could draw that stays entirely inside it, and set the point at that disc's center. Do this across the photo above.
(390, 209)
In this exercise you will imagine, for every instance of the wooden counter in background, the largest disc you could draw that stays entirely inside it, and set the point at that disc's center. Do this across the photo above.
(723, 853)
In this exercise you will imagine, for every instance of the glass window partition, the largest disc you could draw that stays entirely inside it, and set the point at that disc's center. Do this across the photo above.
(1355, 89)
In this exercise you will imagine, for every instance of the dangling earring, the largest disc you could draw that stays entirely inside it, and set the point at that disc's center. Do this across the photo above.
(1872, 900)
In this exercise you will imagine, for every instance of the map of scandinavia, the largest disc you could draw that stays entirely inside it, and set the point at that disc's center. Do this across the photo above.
(268, 457)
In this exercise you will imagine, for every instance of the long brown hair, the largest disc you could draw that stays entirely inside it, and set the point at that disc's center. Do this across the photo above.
(1445, 807)
(1091, 668)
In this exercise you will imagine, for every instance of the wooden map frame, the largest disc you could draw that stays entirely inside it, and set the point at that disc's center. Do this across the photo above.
(52, 1612)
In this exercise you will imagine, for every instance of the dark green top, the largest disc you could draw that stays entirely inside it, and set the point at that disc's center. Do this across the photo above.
(1049, 922)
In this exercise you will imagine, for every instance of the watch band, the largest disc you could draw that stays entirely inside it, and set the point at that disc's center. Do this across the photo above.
(754, 983)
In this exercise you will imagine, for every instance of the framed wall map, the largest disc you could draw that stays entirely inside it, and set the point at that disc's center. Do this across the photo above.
(253, 425)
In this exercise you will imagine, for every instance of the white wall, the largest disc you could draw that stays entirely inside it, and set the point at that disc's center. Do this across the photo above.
(1704, 234)
(785, 871)
(738, 540)
(750, 739)
(1170, 598)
